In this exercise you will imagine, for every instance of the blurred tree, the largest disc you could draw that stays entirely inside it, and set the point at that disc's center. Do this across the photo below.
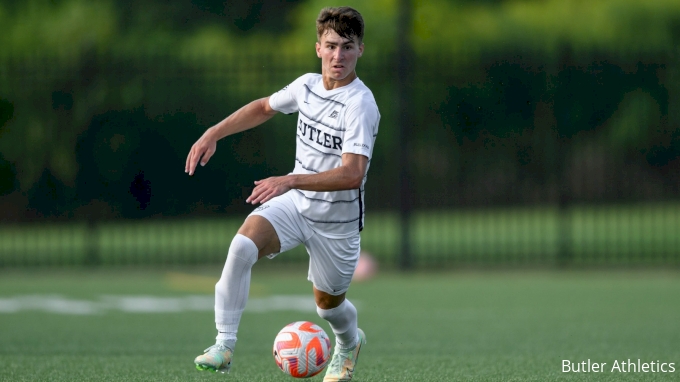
(262, 15)
(7, 177)
(100, 101)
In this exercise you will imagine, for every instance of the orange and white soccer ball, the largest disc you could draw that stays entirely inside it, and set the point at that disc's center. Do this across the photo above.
(302, 349)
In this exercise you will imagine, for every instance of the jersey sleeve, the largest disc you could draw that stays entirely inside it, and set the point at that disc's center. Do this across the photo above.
(362, 129)
(285, 100)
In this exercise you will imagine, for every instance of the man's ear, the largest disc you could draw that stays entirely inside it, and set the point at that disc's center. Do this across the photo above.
(318, 49)
(361, 49)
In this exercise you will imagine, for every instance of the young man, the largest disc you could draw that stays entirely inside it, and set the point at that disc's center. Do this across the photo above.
(320, 204)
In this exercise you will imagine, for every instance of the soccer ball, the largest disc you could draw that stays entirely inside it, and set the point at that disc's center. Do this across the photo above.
(302, 349)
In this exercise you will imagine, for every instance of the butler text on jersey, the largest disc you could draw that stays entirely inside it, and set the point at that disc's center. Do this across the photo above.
(319, 137)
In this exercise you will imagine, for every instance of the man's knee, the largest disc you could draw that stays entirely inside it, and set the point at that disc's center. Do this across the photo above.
(243, 248)
(327, 301)
(262, 233)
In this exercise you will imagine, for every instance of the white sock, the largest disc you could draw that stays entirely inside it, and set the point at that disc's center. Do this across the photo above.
(231, 292)
(343, 321)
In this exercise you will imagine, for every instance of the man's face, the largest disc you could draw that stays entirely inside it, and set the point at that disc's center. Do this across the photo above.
(338, 56)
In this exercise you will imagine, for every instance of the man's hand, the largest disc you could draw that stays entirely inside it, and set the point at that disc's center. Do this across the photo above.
(348, 176)
(269, 188)
(202, 150)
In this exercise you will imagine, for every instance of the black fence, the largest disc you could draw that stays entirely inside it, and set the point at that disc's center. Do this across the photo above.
(509, 162)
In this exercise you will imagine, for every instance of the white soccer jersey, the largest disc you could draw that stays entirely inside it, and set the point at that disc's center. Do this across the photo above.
(330, 123)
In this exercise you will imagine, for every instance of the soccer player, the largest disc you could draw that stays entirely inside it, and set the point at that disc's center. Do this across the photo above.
(319, 205)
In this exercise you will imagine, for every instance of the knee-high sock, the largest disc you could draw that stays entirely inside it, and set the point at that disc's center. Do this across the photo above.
(343, 321)
(231, 292)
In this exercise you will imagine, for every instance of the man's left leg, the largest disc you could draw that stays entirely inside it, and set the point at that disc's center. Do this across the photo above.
(340, 314)
(332, 265)
(342, 317)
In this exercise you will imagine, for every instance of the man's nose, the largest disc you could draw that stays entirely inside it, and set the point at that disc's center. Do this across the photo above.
(338, 54)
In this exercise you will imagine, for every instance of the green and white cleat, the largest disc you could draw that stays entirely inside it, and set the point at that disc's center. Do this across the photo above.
(342, 365)
(216, 358)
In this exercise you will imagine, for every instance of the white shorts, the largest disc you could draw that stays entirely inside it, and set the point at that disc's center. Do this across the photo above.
(331, 261)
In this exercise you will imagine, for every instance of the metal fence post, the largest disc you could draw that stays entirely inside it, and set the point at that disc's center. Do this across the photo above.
(91, 243)
(405, 121)
(565, 252)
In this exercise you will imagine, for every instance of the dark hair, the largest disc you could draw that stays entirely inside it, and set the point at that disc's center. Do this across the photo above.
(345, 21)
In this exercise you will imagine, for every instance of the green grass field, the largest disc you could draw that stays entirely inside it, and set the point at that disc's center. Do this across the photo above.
(458, 326)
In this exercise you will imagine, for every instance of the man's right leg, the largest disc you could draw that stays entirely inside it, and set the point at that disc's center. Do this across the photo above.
(256, 238)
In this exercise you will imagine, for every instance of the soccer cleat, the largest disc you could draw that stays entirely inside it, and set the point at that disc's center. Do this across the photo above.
(344, 361)
(215, 358)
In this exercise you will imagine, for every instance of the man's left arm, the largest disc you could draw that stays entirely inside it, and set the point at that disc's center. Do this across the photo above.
(346, 177)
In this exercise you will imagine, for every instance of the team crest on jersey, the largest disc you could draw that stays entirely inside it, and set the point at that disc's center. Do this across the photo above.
(334, 114)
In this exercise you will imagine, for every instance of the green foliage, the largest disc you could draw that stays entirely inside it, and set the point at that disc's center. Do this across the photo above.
(637, 117)
(623, 29)
(57, 29)
(94, 85)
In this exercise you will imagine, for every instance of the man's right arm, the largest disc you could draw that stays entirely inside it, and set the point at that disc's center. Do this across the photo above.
(247, 117)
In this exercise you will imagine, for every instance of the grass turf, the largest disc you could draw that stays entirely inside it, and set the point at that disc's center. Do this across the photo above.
(497, 326)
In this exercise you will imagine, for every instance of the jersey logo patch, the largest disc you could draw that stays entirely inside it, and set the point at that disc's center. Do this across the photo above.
(262, 207)
(334, 114)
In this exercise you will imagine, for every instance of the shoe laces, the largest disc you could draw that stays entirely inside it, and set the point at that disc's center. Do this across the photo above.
(218, 347)
(339, 359)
